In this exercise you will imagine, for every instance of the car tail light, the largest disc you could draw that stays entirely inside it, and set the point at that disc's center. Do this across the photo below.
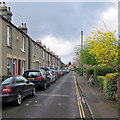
(49, 75)
(53, 73)
(6, 90)
(39, 78)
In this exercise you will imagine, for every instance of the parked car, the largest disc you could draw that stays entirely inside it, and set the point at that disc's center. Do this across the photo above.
(50, 75)
(14, 88)
(45, 68)
(38, 77)
(53, 74)
(58, 73)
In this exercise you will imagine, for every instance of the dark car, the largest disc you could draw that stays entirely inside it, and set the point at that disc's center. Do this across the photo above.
(38, 77)
(14, 88)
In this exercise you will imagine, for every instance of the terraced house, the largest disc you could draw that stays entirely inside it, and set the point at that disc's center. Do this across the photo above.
(18, 52)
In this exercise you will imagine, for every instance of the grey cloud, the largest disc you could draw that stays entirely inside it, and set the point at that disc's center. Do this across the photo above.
(62, 20)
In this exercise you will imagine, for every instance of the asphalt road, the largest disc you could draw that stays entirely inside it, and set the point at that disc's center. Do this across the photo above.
(58, 101)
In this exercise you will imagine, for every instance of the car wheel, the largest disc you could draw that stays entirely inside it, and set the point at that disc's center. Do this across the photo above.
(33, 92)
(19, 99)
(50, 82)
(45, 86)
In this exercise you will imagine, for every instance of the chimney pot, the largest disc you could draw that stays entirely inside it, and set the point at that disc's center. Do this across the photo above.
(3, 3)
(22, 24)
(25, 25)
(8, 8)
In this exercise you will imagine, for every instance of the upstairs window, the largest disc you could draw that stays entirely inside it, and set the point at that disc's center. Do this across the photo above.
(9, 36)
(34, 49)
(43, 55)
(46, 56)
(49, 57)
(23, 43)
(39, 52)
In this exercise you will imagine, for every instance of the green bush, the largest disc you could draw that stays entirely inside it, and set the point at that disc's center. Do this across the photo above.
(103, 70)
(110, 86)
(99, 81)
(88, 72)
(77, 69)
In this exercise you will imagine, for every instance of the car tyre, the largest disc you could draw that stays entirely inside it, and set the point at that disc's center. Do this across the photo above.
(19, 99)
(45, 86)
(33, 92)
(50, 82)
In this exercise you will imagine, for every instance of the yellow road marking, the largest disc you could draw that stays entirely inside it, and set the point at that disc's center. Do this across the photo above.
(81, 111)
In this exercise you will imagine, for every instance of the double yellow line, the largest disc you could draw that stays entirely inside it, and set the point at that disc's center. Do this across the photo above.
(81, 111)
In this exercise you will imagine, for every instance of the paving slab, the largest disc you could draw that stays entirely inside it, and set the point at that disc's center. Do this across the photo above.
(99, 105)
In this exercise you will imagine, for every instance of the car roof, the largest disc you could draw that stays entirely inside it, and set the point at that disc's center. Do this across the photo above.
(32, 71)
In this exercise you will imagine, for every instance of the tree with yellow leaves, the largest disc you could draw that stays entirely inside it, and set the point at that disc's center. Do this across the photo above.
(103, 45)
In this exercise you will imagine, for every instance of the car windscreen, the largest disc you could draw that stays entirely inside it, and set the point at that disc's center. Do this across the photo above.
(52, 71)
(7, 81)
(31, 74)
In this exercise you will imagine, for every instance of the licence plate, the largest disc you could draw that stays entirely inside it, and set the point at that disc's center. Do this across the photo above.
(30, 78)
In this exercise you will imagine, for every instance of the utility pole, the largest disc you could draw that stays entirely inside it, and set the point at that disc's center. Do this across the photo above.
(81, 49)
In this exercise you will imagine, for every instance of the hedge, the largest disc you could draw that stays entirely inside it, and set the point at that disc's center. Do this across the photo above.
(99, 81)
(77, 69)
(110, 86)
(103, 70)
(88, 72)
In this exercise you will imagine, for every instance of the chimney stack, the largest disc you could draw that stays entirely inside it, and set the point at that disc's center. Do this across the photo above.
(6, 13)
(9, 14)
(3, 10)
(23, 28)
(4, 4)
(39, 42)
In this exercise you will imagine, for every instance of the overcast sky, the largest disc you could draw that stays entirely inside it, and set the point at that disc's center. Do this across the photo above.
(58, 24)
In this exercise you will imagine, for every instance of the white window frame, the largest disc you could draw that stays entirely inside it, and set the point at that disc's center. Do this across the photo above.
(34, 49)
(39, 52)
(49, 57)
(23, 43)
(43, 55)
(15, 63)
(9, 36)
(46, 56)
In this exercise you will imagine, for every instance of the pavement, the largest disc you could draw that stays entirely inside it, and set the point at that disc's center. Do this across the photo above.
(98, 105)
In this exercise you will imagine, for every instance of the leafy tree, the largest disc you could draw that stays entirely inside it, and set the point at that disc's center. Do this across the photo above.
(103, 46)
(86, 57)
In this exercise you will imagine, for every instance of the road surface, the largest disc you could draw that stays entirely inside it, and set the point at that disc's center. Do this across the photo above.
(60, 100)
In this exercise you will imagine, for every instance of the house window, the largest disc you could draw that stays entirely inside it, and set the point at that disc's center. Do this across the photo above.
(46, 56)
(23, 66)
(14, 67)
(9, 36)
(43, 54)
(9, 63)
(23, 43)
(39, 52)
(49, 57)
(34, 49)
(39, 65)
(34, 66)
